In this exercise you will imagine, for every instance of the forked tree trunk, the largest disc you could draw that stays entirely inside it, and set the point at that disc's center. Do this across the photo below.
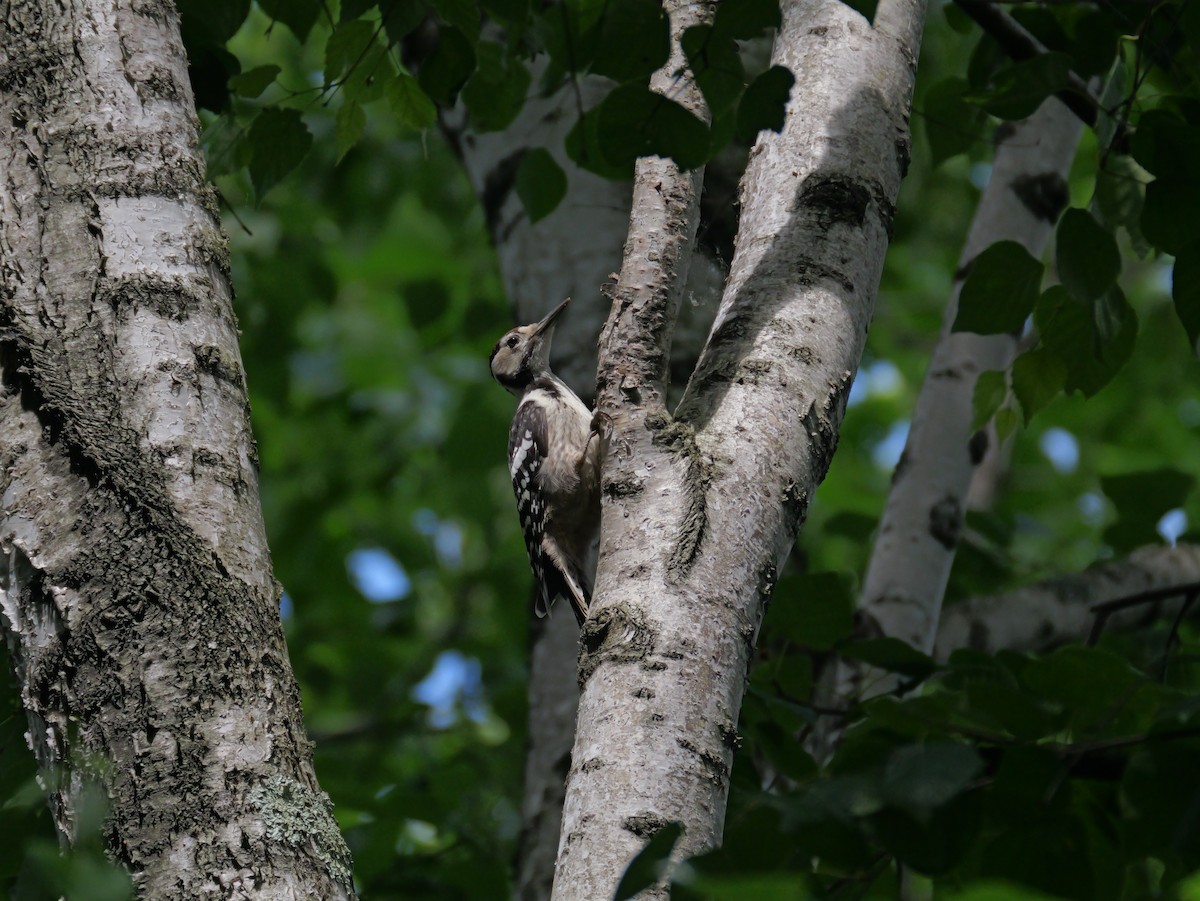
(700, 510)
(135, 584)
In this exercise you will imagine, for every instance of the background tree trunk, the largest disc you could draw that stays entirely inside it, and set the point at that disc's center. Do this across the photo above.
(918, 534)
(135, 584)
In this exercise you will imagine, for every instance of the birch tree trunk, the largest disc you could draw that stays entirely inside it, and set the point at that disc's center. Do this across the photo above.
(910, 564)
(918, 534)
(135, 584)
(701, 509)
(571, 253)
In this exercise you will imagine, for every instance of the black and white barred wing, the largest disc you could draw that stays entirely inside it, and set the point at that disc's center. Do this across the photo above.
(526, 454)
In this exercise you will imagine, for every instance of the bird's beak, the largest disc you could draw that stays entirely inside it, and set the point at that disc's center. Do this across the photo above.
(547, 324)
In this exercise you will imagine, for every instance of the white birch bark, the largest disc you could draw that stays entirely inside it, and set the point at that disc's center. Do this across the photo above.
(1063, 608)
(700, 510)
(918, 534)
(571, 253)
(135, 583)
(914, 547)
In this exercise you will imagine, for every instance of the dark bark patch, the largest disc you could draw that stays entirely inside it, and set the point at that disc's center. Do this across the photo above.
(679, 438)
(751, 372)
(795, 506)
(978, 636)
(614, 634)
(945, 522)
(211, 359)
(1045, 195)
(623, 487)
(175, 298)
(715, 763)
(644, 693)
(977, 447)
(645, 825)
(835, 199)
(498, 184)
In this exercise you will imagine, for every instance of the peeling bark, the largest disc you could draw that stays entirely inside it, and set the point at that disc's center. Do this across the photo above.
(701, 509)
(135, 583)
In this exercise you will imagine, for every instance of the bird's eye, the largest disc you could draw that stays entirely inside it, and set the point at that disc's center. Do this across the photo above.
(512, 341)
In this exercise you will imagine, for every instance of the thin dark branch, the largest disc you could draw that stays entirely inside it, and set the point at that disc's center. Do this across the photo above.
(1103, 611)
(1173, 634)
(1020, 45)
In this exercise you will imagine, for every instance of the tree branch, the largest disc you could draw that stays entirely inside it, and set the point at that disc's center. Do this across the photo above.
(1062, 609)
(1020, 45)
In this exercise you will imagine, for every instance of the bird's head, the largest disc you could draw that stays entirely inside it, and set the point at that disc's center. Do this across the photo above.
(524, 352)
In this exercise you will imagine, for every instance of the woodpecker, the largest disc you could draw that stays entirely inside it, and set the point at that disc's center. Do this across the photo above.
(554, 449)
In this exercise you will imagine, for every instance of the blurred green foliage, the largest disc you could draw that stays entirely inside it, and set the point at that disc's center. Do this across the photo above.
(368, 298)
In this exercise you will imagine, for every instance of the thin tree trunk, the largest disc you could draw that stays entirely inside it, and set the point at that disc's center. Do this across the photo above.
(135, 584)
(919, 531)
(700, 510)
(571, 253)
(918, 534)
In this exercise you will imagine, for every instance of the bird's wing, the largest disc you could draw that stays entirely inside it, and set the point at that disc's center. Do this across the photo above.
(526, 455)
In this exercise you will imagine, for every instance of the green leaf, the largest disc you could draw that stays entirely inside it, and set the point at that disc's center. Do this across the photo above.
(1120, 188)
(401, 17)
(1094, 43)
(462, 15)
(1185, 291)
(1019, 89)
(1161, 791)
(634, 39)
(346, 47)
(410, 105)
(541, 183)
(990, 390)
(583, 147)
(764, 105)
(634, 121)
(496, 92)
(717, 65)
(511, 12)
(891, 654)
(1094, 339)
(1169, 214)
(211, 22)
(1038, 377)
(745, 19)
(278, 140)
(919, 778)
(1086, 254)
(646, 869)
(298, 15)
(1141, 499)
(817, 613)
(1000, 291)
(1006, 421)
(1088, 683)
(1164, 144)
(254, 81)
(952, 126)
(447, 69)
(349, 124)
